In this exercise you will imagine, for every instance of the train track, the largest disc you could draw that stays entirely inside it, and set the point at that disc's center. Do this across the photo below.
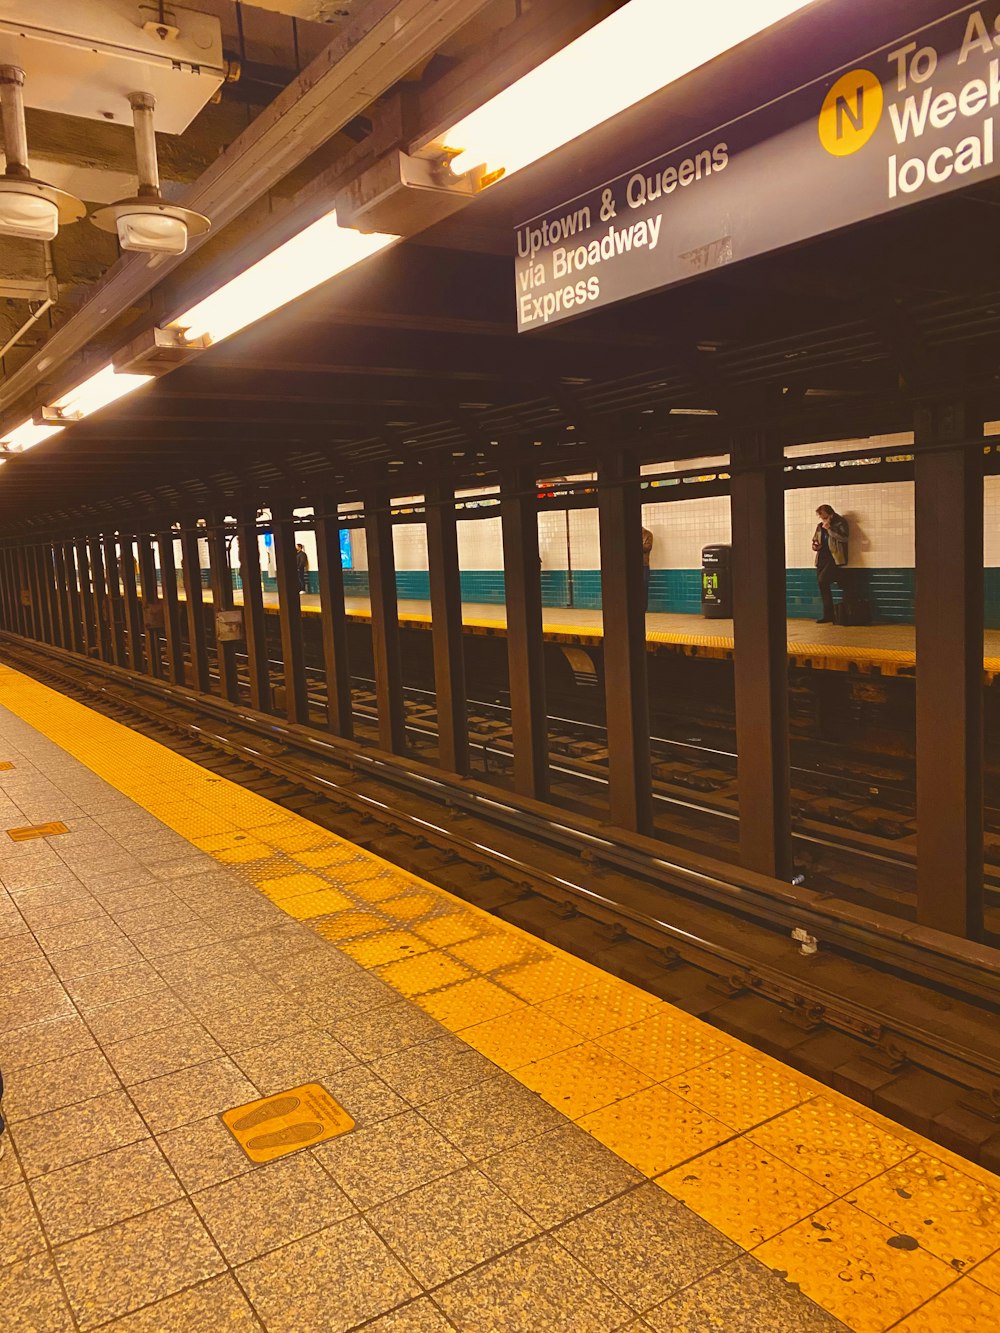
(880, 994)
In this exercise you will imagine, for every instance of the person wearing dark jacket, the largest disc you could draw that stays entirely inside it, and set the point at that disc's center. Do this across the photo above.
(830, 544)
(302, 565)
(647, 551)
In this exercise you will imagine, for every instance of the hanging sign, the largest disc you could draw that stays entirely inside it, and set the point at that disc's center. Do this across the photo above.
(911, 121)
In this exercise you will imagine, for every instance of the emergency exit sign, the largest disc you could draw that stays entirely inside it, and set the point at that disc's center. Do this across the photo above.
(911, 121)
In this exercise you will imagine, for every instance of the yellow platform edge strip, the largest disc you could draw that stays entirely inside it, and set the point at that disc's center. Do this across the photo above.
(808, 1181)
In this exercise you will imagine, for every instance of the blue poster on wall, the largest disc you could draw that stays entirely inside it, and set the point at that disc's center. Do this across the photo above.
(346, 553)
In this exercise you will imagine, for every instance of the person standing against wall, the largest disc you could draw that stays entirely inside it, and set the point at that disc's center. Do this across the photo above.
(302, 564)
(647, 551)
(830, 544)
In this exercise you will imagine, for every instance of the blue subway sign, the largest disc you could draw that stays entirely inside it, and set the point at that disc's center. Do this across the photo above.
(911, 121)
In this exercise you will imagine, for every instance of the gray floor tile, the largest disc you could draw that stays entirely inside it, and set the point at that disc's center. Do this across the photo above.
(387, 1159)
(492, 1116)
(365, 1097)
(204, 1153)
(450, 1225)
(149, 1012)
(215, 1306)
(420, 1316)
(26, 974)
(262, 1210)
(560, 1175)
(75, 1133)
(44, 1041)
(105, 956)
(62, 1082)
(737, 1299)
(328, 1283)
(191, 1094)
(91, 929)
(31, 1299)
(419, 1073)
(538, 1288)
(644, 1246)
(153, 1054)
(20, 1233)
(385, 1031)
(97, 989)
(312, 1057)
(112, 1272)
(31, 1007)
(103, 1190)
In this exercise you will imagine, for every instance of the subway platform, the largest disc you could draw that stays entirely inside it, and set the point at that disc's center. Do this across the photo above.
(885, 650)
(524, 1142)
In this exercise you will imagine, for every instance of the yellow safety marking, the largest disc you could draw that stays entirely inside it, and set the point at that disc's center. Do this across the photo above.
(771, 1195)
(286, 1122)
(876, 1223)
(963, 1305)
(655, 1130)
(861, 1271)
(36, 831)
(5, 764)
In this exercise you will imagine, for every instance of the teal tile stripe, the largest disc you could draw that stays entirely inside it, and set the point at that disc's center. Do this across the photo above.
(890, 591)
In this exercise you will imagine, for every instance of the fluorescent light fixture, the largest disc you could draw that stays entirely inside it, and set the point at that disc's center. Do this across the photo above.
(26, 436)
(634, 52)
(693, 412)
(101, 389)
(312, 257)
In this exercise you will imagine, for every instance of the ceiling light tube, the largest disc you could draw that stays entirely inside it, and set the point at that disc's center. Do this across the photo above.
(102, 388)
(312, 257)
(636, 51)
(26, 436)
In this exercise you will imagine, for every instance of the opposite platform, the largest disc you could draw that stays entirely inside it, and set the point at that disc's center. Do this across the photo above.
(886, 650)
(538, 1145)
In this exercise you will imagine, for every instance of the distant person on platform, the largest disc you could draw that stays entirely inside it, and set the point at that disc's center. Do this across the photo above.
(830, 544)
(302, 565)
(647, 551)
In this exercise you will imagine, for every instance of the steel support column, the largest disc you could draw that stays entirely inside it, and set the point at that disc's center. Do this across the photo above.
(6, 597)
(221, 576)
(89, 613)
(73, 598)
(760, 657)
(116, 610)
(133, 615)
(25, 595)
(948, 502)
(330, 572)
(195, 607)
(64, 636)
(525, 661)
(290, 615)
(254, 623)
(150, 597)
(385, 622)
(446, 625)
(624, 602)
(36, 574)
(100, 586)
(171, 609)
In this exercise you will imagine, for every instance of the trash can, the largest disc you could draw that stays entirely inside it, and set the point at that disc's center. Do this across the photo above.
(717, 582)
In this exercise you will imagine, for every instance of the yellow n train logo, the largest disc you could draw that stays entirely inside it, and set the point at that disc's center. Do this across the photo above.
(851, 112)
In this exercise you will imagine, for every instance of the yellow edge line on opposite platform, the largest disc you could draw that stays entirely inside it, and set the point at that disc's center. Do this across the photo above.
(770, 1157)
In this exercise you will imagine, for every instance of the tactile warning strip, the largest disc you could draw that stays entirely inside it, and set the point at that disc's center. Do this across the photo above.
(875, 1223)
